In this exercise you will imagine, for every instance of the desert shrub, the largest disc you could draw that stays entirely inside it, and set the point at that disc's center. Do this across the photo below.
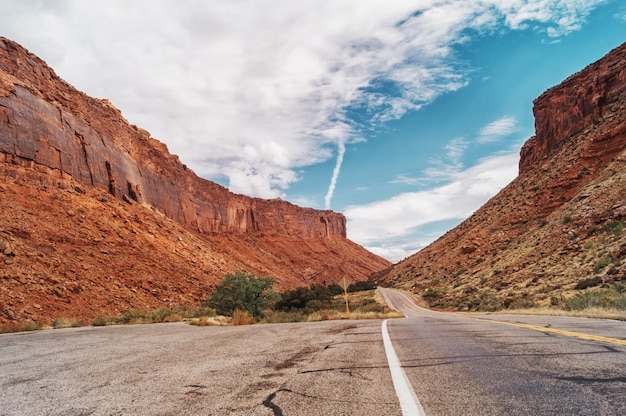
(134, 316)
(164, 315)
(369, 305)
(587, 283)
(433, 294)
(361, 286)
(210, 321)
(20, 327)
(520, 303)
(244, 292)
(614, 227)
(613, 298)
(242, 318)
(309, 299)
(59, 323)
(105, 319)
(602, 263)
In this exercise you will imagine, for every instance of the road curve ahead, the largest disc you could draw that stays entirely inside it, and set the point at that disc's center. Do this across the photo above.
(475, 364)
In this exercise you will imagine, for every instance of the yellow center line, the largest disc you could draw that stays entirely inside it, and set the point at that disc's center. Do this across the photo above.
(581, 335)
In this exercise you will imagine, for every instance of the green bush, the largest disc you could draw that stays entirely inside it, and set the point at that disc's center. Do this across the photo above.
(245, 292)
(433, 294)
(361, 286)
(308, 299)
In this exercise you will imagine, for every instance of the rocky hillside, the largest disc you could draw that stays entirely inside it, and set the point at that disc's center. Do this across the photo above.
(557, 228)
(97, 216)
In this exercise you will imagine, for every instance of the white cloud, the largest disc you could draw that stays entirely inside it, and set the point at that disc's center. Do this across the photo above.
(383, 226)
(498, 129)
(255, 90)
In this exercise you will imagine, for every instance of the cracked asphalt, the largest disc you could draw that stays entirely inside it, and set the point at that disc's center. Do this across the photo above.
(469, 364)
(330, 368)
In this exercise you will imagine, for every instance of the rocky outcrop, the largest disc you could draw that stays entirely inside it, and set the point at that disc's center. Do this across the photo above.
(98, 217)
(546, 231)
(581, 100)
(54, 132)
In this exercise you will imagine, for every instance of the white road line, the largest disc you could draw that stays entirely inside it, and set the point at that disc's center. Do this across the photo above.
(409, 402)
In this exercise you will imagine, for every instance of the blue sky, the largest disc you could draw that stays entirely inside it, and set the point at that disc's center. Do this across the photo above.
(404, 115)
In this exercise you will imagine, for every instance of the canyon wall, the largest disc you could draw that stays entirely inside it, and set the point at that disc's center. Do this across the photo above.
(51, 131)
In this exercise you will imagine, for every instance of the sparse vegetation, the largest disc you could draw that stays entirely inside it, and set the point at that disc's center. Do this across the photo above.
(361, 286)
(20, 327)
(242, 318)
(602, 263)
(614, 227)
(166, 314)
(60, 323)
(613, 297)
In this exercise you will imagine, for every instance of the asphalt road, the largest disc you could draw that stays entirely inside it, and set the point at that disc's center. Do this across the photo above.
(456, 364)
(475, 364)
(321, 368)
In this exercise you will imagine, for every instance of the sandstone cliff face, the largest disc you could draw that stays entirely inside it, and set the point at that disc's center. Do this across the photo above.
(546, 231)
(98, 217)
(582, 100)
(59, 134)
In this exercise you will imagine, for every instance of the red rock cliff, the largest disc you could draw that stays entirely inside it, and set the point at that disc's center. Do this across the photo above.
(50, 130)
(581, 100)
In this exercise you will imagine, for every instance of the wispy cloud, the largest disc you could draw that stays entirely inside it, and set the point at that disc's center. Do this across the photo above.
(498, 129)
(442, 168)
(256, 90)
(383, 225)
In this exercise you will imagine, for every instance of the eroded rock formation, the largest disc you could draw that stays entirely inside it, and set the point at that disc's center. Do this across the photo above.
(61, 134)
(97, 216)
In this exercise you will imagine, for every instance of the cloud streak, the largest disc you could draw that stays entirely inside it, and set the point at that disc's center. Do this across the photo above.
(341, 150)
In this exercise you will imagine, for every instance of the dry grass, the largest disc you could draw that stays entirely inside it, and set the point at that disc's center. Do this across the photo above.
(210, 321)
(60, 323)
(242, 318)
(328, 315)
(20, 327)
(598, 313)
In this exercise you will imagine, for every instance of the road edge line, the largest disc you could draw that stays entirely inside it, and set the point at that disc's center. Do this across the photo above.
(409, 402)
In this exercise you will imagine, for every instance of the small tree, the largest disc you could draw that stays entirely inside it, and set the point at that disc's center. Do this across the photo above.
(243, 291)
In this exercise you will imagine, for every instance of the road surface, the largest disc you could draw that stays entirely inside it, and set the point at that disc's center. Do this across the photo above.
(475, 364)
(454, 364)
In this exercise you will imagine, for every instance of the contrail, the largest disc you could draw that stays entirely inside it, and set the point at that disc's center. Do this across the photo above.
(341, 149)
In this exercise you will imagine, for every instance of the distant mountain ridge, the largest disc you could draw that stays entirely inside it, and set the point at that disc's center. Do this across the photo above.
(77, 176)
(544, 233)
